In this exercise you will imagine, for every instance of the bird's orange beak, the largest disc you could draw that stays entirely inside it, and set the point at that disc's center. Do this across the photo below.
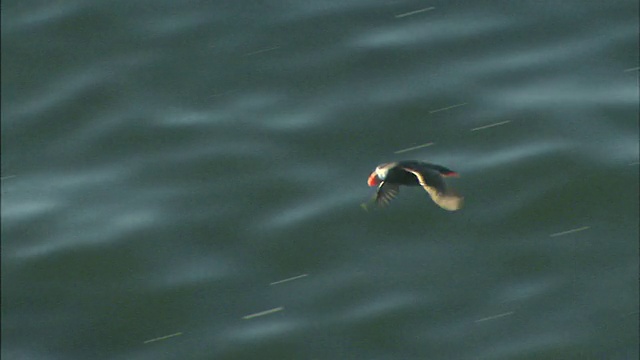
(373, 179)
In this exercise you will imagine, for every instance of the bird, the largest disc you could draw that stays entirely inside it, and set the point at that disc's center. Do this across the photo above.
(389, 176)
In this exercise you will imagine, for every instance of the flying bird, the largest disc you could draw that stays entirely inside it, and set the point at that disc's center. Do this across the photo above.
(388, 178)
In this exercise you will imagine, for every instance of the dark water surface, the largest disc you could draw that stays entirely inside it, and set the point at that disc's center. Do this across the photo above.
(165, 163)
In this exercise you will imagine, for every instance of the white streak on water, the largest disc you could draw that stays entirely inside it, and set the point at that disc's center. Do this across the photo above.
(495, 316)
(569, 231)
(491, 125)
(415, 12)
(413, 148)
(163, 338)
(263, 50)
(289, 279)
(263, 313)
(447, 108)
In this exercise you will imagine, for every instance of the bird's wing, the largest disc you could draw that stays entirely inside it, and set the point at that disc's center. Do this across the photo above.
(385, 193)
(435, 186)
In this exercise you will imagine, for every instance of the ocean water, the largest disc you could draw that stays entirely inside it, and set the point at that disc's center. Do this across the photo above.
(183, 180)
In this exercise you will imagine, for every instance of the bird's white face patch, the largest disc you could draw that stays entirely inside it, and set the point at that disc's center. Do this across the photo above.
(381, 172)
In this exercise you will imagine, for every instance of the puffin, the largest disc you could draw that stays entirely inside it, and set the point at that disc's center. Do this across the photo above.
(389, 176)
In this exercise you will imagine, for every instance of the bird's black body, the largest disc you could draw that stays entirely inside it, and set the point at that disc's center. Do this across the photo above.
(401, 177)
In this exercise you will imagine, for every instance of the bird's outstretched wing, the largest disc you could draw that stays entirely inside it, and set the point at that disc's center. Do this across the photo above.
(435, 186)
(385, 193)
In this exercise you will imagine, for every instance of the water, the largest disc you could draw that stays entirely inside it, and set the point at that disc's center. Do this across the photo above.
(164, 163)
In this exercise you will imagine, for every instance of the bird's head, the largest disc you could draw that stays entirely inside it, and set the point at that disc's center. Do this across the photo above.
(379, 174)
